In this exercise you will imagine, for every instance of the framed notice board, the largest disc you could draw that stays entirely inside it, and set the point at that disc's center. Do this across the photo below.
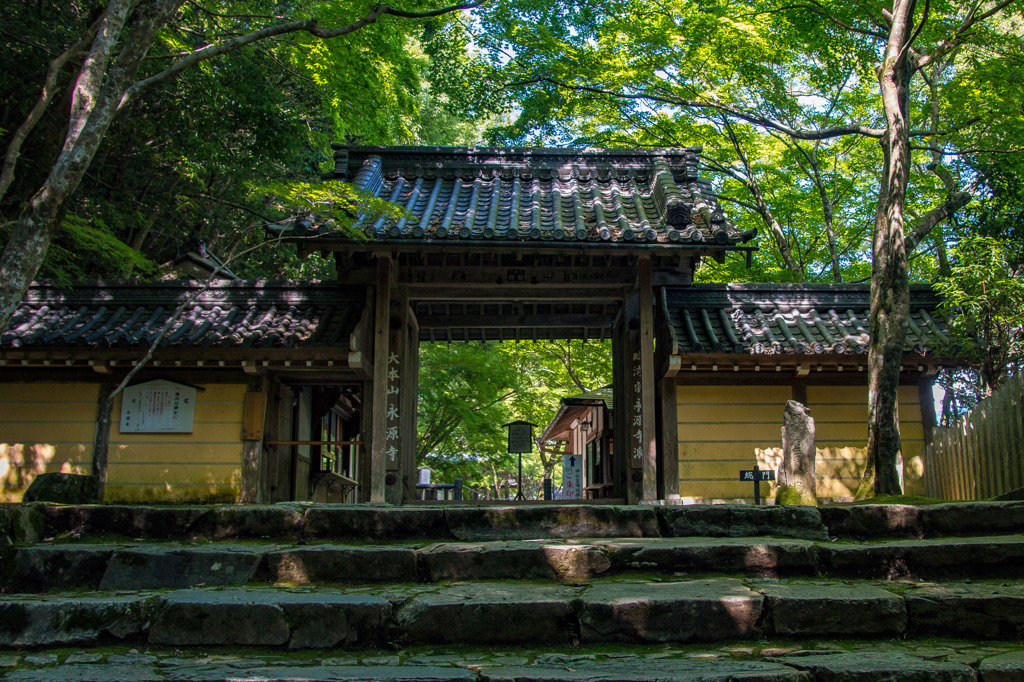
(158, 407)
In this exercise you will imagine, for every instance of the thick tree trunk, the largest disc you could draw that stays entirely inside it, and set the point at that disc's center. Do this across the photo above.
(890, 286)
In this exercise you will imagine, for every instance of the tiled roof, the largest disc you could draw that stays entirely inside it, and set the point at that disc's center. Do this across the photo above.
(773, 319)
(224, 315)
(544, 196)
(590, 397)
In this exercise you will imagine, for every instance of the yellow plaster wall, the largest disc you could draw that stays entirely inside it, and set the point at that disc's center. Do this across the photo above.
(720, 430)
(840, 422)
(44, 428)
(202, 466)
(723, 429)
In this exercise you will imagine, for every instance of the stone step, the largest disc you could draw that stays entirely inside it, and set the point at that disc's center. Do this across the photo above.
(518, 613)
(323, 522)
(46, 567)
(464, 522)
(770, 661)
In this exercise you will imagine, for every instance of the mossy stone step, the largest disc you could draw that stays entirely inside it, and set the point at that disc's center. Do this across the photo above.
(46, 567)
(517, 613)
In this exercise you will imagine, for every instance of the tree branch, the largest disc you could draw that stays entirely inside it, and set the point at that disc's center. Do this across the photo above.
(764, 122)
(45, 97)
(310, 26)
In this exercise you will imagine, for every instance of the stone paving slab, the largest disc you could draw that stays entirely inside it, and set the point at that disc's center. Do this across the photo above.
(867, 521)
(316, 564)
(371, 523)
(72, 620)
(648, 671)
(975, 557)
(984, 611)
(472, 613)
(1003, 668)
(743, 520)
(890, 667)
(798, 610)
(157, 567)
(264, 617)
(696, 610)
(540, 522)
(750, 556)
(805, 659)
(132, 521)
(41, 568)
(249, 521)
(523, 559)
(207, 673)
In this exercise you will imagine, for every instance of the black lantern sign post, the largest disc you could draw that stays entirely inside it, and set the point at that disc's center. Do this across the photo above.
(520, 440)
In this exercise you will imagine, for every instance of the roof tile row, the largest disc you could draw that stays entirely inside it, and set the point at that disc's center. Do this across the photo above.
(233, 314)
(774, 319)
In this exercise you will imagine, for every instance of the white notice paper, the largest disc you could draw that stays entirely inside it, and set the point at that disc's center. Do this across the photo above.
(158, 407)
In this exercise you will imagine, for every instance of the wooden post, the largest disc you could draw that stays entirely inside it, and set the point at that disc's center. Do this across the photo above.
(253, 418)
(668, 455)
(379, 402)
(398, 413)
(409, 392)
(622, 415)
(648, 441)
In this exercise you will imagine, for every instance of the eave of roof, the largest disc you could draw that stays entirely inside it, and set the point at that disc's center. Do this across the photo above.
(557, 197)
(790, 319)
(218, 315)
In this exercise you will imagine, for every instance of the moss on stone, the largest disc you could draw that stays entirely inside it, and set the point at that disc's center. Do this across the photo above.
(790, 495)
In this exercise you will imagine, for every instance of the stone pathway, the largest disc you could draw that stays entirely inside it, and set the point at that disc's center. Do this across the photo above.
(492, 594)
(762, 660)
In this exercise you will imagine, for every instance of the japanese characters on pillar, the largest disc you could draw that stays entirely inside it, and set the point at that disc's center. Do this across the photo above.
(391, 434)
(637, 422)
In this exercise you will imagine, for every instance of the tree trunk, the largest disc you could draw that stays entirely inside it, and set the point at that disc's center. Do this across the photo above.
(890, 286)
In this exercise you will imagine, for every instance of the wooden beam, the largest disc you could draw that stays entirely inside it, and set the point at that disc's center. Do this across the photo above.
(547, 321)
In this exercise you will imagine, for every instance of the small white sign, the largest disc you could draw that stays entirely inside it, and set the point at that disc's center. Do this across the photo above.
(158, 407)
(572, 477)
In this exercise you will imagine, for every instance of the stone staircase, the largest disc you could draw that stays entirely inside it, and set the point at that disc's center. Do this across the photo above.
(532, 592)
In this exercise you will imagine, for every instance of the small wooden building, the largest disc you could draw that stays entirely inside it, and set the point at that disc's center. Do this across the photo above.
(308, 390)
(583, 427)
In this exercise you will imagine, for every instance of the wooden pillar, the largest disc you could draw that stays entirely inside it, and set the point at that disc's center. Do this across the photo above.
(398, 413)
(668, 443)
(648, 440)
(379, 399)
(254, 416)
(629, 418)
(409, 394)
(622, 414)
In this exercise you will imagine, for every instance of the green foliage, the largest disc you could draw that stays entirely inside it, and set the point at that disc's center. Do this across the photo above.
(209, 154)
(469, 390)
(668, 74)
(984, 295)
(83, 248)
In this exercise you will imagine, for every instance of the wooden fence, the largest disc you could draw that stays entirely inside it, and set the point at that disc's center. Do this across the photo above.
(981, 455)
